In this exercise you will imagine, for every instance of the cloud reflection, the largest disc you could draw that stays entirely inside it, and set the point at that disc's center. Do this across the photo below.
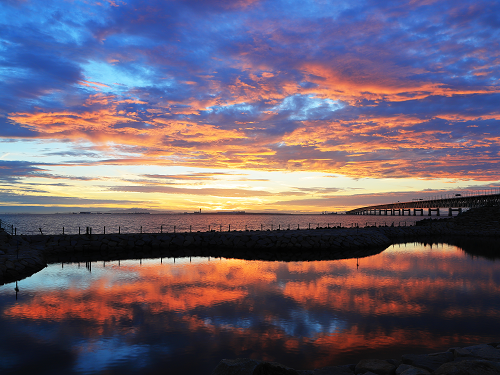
(410, 297)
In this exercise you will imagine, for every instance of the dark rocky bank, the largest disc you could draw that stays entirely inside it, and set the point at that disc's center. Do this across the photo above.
(23, 255)
(472, 360)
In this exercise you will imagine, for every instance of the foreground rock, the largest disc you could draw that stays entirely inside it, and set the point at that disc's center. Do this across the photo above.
(471, 360)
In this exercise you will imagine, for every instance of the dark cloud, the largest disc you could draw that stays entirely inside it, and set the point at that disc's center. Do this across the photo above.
(11, 171)
(8, 129)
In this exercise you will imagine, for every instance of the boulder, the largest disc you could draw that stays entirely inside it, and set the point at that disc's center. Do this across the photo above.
(484, 351)
(377, 366)
(245, 366)
(411, 370)
(469, 367)
(333, 370)
(429, 362)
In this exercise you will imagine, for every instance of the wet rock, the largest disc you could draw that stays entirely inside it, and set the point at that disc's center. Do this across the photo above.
(429, 362)
(401, 368)
(411, 370)
(333, 370)
(469, 367)
(244, 366)
(240, 366)
(460, 352)
(484, 351)
(377, 366)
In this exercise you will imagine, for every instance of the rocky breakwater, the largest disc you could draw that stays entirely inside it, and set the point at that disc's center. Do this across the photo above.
(480, 221)
(23, 255)
(18, 258)
(286, 245)
(476, 222)
(471, 360)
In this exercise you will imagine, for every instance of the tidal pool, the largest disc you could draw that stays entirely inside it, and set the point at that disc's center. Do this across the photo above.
(156, 316)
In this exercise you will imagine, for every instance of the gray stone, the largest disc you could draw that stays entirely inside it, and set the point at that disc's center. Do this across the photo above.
(240, 366)
(469, 367)
(334, 370)
(484, 351)
(13, 273)
(377, 366)
(244, 366)
(415, 371)
(460, 352)
(402, 368)
(428, 362)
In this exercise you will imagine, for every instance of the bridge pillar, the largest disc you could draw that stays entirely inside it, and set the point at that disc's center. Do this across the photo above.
(421, 210)
(406, 209)
(450, 210)
(434, 209)
(398, 210)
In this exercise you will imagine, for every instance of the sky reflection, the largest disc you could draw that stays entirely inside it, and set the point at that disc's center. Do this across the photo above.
(122, 317)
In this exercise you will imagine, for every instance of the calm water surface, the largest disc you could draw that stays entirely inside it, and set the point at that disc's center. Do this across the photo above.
(152, 316)
(135, 223)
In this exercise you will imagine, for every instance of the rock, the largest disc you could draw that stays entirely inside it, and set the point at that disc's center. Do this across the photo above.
(240, 366)
(469, 367)
(333, 370)
(377, 366)
(460, 352)
(415, 371)
(484, 351)
(244, 366)
(429, 362)
(402, 368)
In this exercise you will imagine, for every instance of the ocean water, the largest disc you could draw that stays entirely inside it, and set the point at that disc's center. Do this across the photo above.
(182, 316)
(137, 223)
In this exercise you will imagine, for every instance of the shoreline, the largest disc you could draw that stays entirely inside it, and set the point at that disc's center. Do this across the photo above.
(482, 359)
(23, 255)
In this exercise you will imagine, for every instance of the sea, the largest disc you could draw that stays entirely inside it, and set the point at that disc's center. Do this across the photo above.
(168, 223)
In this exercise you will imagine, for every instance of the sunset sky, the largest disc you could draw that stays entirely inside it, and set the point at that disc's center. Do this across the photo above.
(294, 106)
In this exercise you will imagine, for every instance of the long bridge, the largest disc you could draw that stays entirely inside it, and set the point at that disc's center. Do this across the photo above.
(453, 204)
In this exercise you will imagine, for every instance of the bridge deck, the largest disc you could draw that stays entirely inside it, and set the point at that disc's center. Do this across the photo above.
(454, 203)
